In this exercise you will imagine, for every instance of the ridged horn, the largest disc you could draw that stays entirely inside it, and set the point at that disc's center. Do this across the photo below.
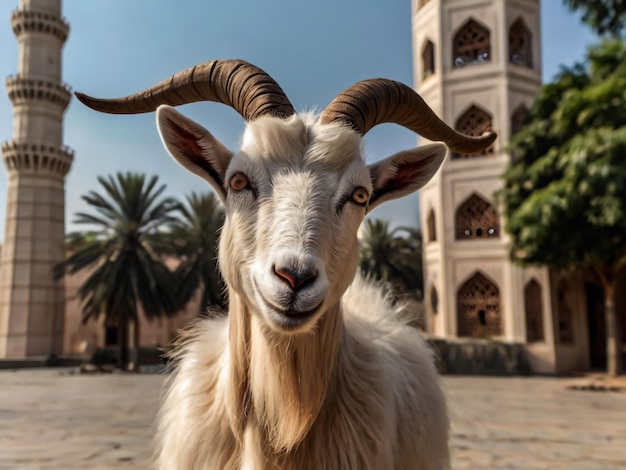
(375, 101)
(246, 88)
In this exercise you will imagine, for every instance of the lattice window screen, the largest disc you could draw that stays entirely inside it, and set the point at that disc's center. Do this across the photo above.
(478, 308)
(471, 45)
(474, 122)
(476, 219)
(520, 45)
(533, 308)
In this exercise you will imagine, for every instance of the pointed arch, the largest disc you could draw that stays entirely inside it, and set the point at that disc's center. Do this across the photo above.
(565, 325)
(533, 310)
(471, 45)
(428, 59)
(520, 44)
(475, 122)
(517, 118)
(476, 219)
(478, 308)
(434, 300)
(431, 226)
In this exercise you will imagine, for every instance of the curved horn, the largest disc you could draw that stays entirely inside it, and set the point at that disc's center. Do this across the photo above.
(371, 102)
(246, 88)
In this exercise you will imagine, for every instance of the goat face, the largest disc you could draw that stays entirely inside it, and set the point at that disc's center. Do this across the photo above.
(298, 189)
(295, 195)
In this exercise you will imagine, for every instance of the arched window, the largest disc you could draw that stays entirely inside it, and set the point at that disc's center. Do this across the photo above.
(471, 45)
(476, 219)
(517, 119)
(520, 45)
(564, 314)
(431, 227)
(428, 60)
(533, 308)
(475, 122)
(478, 308)
(434, 300)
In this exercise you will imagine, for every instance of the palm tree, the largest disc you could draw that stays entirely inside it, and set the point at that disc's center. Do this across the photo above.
(126, 272)
(194, 241)
(409, 255)
(387, 256)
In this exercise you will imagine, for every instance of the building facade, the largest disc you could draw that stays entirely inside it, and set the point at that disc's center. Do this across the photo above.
(478, 64)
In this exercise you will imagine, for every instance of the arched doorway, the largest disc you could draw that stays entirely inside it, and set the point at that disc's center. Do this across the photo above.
(596, 326)
(533, 310)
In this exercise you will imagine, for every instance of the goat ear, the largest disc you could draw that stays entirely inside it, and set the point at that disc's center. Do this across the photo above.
(405, 172)
(194, 147)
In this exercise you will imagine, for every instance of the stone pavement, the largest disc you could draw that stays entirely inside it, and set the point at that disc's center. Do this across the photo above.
(54, 419)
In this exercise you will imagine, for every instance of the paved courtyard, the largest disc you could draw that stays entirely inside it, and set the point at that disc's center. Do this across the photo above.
(54, 419)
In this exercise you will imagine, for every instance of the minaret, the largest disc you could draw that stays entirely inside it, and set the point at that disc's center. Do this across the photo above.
(32, 302)
(478, 64)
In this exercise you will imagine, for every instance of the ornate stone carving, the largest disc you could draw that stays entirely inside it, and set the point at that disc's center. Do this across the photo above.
(476, 219)
(23, 90)
(475, 122)
(478, 308)
(37, 158)
(471, 45)
(39, 22)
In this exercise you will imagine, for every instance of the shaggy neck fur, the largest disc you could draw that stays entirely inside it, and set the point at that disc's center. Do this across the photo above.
(281, 380)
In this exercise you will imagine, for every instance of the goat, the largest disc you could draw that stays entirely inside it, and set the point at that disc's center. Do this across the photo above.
(306, 371)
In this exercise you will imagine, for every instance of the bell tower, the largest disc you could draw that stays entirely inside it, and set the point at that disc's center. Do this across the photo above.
(478, 65)
(32, 302)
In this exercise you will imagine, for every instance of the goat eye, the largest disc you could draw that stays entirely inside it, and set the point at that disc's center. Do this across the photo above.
(360, 196)
(239, 182)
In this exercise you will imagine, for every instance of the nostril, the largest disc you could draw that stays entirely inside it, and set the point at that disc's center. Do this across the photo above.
(295, 277)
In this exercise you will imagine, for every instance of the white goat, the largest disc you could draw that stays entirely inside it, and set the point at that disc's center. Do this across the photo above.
(306, 372)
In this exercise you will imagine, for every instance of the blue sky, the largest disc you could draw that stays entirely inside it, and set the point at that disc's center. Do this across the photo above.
(313, 49)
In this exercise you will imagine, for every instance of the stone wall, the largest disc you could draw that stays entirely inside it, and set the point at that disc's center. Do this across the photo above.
(480, 357)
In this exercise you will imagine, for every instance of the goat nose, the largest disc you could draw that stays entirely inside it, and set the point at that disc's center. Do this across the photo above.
(296, 278)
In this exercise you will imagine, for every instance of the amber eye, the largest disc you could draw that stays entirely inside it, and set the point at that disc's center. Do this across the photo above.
(239, 182)
(360, 196)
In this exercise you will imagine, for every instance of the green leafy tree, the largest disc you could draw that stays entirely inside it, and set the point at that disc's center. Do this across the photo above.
(392, 256)
(604, 16)
(194, 241)
(125, 271)
(565, 195)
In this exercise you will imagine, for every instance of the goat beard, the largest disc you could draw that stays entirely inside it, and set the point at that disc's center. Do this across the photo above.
(280, 381)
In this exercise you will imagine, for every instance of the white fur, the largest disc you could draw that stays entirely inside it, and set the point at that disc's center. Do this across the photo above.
(352, 386)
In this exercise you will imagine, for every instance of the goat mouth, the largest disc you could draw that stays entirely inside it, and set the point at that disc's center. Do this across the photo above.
(287, 318)
(290, 318)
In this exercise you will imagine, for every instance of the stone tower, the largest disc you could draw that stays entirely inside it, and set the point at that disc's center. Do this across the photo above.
(32, 302)
(478, 64)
